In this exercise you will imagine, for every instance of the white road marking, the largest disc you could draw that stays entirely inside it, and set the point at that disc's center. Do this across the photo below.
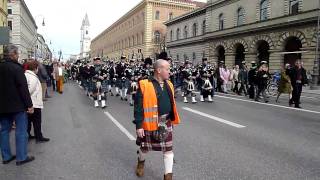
(266, 104)
(123, 129)
(214, 118)
(281, 97)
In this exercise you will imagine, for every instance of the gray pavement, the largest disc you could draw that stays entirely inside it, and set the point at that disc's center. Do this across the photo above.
(276, 143)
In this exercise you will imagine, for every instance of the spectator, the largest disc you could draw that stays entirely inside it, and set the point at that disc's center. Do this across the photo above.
(59, 77)
(225, 76)
(285, 83)
(15, 101)
(298, 78)
(43, 77)
(35, 90)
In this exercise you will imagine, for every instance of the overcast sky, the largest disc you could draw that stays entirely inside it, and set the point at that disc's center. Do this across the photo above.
(63, 19)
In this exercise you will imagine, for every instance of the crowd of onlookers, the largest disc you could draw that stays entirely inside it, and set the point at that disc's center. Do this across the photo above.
(23, 90)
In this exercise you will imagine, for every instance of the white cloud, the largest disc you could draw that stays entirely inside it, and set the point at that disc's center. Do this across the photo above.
(63, 19)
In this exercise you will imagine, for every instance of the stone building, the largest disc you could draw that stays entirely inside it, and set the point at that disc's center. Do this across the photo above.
(277, 31)
(85, 38)
(24, 29)
(3, 17)
(140, 32)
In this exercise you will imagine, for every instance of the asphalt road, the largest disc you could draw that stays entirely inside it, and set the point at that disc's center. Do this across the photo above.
(231, 139)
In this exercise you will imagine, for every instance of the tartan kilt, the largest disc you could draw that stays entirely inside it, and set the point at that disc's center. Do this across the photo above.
(104, 85)
(149, 143)
(92, 86)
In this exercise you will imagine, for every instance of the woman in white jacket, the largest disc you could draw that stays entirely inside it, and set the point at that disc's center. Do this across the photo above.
(35, 90)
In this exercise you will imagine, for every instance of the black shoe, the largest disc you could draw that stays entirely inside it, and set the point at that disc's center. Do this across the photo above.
(121, 99)
(31, 137)
(126, 99)
(266, 101)
(131, 104)
(29, 159)
(118, 95)
(8, 161)
(111, 94)
(42, 140)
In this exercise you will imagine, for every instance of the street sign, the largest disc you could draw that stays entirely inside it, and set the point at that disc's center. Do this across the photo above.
(4, 35)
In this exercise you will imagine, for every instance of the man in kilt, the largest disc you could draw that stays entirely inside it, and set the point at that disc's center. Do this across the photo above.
(99, 79)
(189, 75)
(206, 87)
(155, 114)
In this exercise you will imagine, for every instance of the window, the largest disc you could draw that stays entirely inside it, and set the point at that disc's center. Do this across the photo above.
(194, 29)
(171, 35)
(178, 58)
(221, 22)
(87, 32)
(294, 7)
(204, 27)
(194, 56)
(240, 18)
(264, 10)
(185, 57)
(157, 37)
(178, 34)
(10, 24)
(157, 15)
(170, 16)
(185, 32)
(9, 11)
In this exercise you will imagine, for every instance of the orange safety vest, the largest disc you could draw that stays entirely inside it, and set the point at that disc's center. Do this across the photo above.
(150, 105)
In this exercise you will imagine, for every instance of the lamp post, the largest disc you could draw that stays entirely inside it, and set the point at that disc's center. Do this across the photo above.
(315, 78)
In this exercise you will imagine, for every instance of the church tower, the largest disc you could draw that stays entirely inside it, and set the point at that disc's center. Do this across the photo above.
(85, 38)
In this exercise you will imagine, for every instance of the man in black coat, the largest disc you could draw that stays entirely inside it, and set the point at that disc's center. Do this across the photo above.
(15, 101)
(298, 78)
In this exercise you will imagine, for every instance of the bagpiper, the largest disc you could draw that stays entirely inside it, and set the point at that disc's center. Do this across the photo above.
(188, 87)
(206, 77)
(99, 78)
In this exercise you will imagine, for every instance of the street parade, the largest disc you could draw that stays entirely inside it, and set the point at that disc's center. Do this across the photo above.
(160, 89)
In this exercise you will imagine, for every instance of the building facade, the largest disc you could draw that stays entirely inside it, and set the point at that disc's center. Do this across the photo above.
(3, 17)
(140, 32)
(42, 50)
(185, 36)
(277, 31)
(23, 28)
(85, 38)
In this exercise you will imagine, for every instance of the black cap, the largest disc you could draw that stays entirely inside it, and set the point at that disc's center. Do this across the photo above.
(163, 55)
(96, 58)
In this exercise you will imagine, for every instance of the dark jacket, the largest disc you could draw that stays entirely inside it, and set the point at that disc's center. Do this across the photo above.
(14, 93)
(42, 73)
(293, 74)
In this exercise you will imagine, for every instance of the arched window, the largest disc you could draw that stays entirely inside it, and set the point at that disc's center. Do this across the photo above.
(170, 15)
(185, 32)
(263, 10)
(171, 35)
(240, 18)
(194, 29)
(204, 27)
(221, 22)
(178, 34)
(194, 57)
(294, 7)
(157, 37)
(157, 15)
